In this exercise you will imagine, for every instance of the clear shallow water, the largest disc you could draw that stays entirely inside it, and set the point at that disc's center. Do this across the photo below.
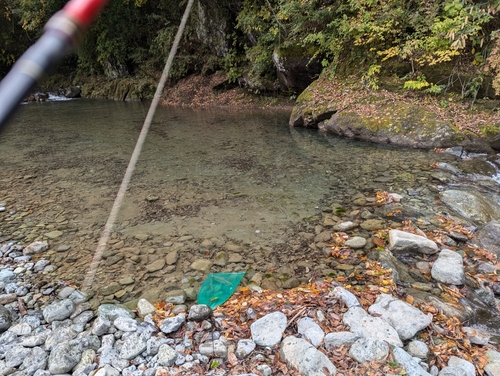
(245, 175)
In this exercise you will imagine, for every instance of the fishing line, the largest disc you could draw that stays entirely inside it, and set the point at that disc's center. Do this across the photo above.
(103, 241)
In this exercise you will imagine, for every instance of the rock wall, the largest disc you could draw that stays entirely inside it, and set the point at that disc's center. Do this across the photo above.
(125, 89)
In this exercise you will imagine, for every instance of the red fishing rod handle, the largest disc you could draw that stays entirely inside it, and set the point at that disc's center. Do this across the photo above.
(63, 32)
(74, 19)
(84, 12)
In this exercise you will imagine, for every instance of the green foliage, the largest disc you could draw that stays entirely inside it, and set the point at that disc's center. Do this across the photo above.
(418, 84)
(370, 78)
(366, 37)
(421, 33)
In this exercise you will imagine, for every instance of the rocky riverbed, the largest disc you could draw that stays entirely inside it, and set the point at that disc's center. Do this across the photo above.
(389, 281)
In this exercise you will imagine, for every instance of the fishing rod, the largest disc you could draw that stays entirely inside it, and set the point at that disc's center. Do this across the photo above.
(62, 33)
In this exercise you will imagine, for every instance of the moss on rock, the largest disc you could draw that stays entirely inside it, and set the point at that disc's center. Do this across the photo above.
(124, 89)
(399, 124)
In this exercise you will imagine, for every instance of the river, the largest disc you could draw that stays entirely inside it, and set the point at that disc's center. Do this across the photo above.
(207, 180)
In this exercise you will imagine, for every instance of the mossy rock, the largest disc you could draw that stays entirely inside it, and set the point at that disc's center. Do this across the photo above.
(490, 130)
(398, 124)
(307, 113)
(124, 89)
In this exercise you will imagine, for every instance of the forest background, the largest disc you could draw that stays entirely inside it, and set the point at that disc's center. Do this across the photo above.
(431, 46)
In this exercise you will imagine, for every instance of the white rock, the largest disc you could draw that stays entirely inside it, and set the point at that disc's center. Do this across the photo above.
(145, 308)
(310, 331)
(366, 326)
(348, 297)
(449, 268)
(406, 319)
(412, 365)
(367, 349)
(303, 356)
(401, 241)
(268, 330)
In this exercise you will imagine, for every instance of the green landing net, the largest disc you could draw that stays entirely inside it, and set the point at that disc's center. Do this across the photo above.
(218, 288)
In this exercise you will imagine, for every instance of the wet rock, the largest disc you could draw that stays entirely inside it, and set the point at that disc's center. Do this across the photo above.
(449, 268)
(125, 281)
(201, 265)
(303, 356)
(406, 319)
(156, 265)
(449, 310)
(367, 349)
(372, 224)
(172, 257)
(268, 330)
(63, 248)
(405, 242)
(472, 205)
(310, 331)
(411, 364)
(488, 237)
(175, 296)
(337, 339)
(53, 234)
(112, 311)
(356, 242)
(111, 288)
(366, 326)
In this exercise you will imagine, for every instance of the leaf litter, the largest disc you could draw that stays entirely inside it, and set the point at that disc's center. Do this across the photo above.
(444, 336)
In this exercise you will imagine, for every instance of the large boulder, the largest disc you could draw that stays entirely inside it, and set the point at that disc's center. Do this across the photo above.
(472, 205)
(307, 113)
(399, 124)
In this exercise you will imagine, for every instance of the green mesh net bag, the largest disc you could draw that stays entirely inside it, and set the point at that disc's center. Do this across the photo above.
(218, 287)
